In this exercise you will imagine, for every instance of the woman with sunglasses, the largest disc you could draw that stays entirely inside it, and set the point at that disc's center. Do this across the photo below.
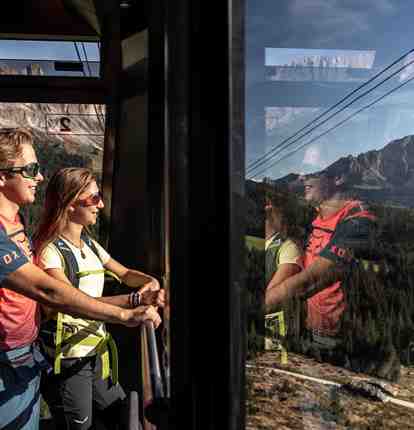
(72, 204)
(23, 284)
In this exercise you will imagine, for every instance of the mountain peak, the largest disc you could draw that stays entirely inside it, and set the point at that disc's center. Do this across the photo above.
(387, 173)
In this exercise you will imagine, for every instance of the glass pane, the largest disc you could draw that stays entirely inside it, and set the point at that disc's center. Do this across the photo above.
(330, 214)
(49, 58)
(65, 135)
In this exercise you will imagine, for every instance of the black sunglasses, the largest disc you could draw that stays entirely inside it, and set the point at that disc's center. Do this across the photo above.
(30, 171)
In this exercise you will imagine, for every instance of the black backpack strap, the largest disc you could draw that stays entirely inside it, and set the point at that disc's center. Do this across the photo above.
(108, 274)
(71, 265)
(88, 240)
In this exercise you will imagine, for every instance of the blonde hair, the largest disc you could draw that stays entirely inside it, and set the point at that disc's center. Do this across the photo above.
(63, 189)
(11, 144)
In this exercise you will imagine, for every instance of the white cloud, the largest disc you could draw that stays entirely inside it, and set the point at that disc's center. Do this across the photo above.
(313, 156)
(330, 18)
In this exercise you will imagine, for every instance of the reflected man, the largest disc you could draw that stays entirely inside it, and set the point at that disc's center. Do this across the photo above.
(342, 230)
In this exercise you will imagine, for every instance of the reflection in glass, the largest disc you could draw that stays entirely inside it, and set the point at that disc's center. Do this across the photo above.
(330, 169)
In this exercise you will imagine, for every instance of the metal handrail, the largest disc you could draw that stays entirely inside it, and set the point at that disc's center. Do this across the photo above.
(156, 410)
(133, 419)
(154, 362)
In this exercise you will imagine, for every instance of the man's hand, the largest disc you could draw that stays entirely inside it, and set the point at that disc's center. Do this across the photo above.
(136, 316)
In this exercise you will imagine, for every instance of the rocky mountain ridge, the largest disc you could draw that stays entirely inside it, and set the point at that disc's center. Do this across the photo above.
(351, 67)
(358, 60)
(85, 134)
(278, 401)
(43, 120)
(384, 174)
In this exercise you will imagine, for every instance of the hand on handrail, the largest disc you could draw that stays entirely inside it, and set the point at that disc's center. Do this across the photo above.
(141, 314)
(151, 294)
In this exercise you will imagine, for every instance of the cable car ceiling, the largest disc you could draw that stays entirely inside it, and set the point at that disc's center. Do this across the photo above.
(67, 19)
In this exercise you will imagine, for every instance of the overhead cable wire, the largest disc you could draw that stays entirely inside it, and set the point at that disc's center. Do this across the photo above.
(331, 108)
(257, 161)
(86, 58)
(100, 120)
(281, 148)
(334, 127)
(79, 57)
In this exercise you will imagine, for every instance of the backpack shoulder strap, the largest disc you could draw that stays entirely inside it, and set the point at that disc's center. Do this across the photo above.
(70, 264)
(88, 240)
(359, 211)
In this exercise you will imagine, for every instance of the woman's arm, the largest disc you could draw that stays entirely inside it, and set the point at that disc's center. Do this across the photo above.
(320, 274)
(130, 277)
(289, 264)
(149, 288)
(283, 272)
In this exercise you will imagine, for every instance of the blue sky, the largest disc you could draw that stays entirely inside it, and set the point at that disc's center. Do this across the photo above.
(278, 32)
(45, 50)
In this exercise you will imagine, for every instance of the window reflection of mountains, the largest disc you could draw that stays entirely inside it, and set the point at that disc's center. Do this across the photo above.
(379, 323)
(385, 175)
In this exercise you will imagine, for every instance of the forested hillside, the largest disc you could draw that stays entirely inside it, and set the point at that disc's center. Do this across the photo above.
(379, 322)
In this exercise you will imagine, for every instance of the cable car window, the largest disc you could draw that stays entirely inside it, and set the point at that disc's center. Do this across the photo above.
(50, 58)
(330, 220)
(65, 135)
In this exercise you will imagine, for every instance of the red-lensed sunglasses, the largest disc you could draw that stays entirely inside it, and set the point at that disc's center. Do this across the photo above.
(92, 200)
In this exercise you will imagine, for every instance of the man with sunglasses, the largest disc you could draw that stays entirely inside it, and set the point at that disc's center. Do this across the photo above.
(23, 284)
(343, 232)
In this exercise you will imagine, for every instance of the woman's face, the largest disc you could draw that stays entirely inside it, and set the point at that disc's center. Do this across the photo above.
(86, 209)
(273, 222)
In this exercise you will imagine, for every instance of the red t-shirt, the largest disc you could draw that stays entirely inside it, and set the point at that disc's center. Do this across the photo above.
(332, 238)
(19, 315)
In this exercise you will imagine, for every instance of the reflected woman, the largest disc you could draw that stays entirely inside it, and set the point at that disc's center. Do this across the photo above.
(284, 257)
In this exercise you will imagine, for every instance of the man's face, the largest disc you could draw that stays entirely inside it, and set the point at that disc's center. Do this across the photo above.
(16, 187)
(316, 189)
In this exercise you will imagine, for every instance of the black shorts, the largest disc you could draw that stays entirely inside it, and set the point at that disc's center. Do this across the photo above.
(73, 395)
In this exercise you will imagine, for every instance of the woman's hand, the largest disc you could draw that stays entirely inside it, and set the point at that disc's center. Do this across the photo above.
(136, 316)
(149, 294)
(155, 298)
(152, 285)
